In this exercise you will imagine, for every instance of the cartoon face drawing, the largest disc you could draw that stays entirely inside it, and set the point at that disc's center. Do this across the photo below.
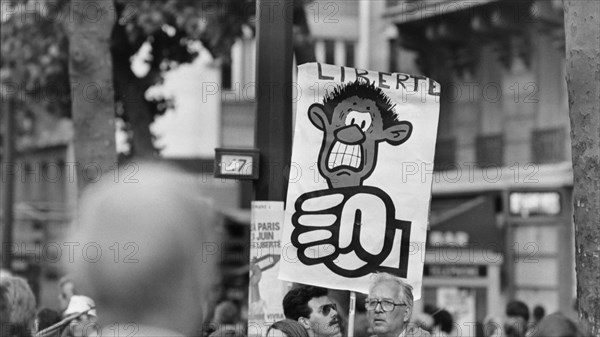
(354, 119)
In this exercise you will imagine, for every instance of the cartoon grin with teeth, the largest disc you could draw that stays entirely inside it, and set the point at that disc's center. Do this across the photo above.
(354, 119)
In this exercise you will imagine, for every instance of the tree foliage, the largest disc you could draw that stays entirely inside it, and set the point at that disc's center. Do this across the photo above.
(34, 63)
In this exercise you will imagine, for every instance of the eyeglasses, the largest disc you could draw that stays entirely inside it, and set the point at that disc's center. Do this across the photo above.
(386, 305)
(326, 308)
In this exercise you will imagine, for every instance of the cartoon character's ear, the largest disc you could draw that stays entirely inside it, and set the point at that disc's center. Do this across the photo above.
(317, 116)
(398, 133)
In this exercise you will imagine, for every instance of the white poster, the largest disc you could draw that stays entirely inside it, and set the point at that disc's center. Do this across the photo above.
(360, 184)
(266, 291)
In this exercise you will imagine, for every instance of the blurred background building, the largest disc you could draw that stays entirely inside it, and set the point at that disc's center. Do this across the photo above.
(503, 175)
(501, 225)
(501, 215)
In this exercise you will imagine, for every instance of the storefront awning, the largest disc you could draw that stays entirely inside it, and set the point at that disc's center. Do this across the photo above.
(411, 11)
(464, 223)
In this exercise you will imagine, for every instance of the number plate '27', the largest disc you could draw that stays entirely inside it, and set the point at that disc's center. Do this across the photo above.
(236, 163)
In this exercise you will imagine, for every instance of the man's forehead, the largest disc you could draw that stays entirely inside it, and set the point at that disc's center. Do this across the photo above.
(385, 289)
(316, 302)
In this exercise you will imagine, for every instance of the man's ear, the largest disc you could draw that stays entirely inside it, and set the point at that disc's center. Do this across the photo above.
(408, 314)
(317, 116)
(398, 133)
(304, 322)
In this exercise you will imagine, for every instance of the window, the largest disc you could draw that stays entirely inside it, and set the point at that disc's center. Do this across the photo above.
(350, 50)
(445, 150)
(490, 151)
(226, 75)
(338, 52)
(548, 146)
(329, 51)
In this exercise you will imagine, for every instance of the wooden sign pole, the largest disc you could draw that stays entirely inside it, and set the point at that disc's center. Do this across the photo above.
(351, 314)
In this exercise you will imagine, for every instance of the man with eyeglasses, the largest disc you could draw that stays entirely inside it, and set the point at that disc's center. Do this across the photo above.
(389, 307)
(313, 309)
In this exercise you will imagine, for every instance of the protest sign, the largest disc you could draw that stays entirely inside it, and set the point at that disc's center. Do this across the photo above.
(360, 180)
(266, 291)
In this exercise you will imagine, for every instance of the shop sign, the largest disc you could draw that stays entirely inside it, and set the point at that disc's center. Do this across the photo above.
(455, 271)
(528, 204)
(448, 238)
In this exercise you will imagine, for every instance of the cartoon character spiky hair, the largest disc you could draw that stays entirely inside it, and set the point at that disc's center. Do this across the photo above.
(365, 90)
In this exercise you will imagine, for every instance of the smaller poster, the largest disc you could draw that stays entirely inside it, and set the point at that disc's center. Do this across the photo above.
(266, 291)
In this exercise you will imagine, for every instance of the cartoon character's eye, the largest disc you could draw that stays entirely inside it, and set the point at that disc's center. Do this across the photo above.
(360, 119)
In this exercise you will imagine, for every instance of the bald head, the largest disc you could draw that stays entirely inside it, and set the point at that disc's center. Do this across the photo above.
(142, 245)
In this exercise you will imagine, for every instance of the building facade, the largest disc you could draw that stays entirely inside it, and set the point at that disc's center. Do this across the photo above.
(501, 215)
(503, 139)
(500, 224)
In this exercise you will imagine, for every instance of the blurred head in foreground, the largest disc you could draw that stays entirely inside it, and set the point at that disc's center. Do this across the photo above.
(287, 328)
(226, 312)
(46, 317)
(142, 245)
(557, 325)
(17, 306)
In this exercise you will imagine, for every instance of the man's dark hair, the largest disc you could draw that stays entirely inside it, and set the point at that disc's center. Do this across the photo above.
(444, 319)
(538, 313)
(295, 302)
(519, 309)
(226, 312)
(47, 317)
(441, 317)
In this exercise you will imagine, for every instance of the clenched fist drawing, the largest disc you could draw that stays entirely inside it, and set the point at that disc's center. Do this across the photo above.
(350, 231)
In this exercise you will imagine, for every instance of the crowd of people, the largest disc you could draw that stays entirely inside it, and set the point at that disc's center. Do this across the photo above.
(164, 291)
(309, 312)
